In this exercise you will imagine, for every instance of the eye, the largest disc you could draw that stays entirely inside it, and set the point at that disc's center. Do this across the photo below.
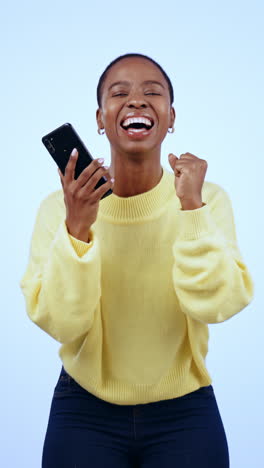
(119, 94)
(153, 94)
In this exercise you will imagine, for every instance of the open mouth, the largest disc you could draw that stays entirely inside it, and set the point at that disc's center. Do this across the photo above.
(137, 124)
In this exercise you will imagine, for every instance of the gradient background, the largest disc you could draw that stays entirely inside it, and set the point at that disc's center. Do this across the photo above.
(52, 56)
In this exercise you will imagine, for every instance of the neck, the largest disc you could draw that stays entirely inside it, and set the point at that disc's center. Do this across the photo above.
(135, 173)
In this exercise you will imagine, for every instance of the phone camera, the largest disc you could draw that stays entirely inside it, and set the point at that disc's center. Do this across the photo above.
(49, 146)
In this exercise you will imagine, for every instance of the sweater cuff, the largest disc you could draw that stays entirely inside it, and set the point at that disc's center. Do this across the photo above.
(194, 224)
(79, 246)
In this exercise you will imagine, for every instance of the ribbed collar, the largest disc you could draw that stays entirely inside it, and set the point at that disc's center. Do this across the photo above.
(140, 206)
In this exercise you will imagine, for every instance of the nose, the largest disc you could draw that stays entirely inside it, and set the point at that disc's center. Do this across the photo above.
(136, 102)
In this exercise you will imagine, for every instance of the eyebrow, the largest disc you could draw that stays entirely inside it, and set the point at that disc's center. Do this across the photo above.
(153, 82)
(127, 83)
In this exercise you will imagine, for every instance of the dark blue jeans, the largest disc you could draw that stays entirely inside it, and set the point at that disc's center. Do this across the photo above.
(87, 432)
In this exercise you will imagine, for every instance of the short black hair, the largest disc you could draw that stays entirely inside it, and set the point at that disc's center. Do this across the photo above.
(121, 57)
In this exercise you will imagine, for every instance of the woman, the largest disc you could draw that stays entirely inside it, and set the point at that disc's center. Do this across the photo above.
(128, 285)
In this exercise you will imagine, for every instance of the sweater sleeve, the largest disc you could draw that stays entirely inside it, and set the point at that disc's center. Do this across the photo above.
(61, 284)
(210, 278)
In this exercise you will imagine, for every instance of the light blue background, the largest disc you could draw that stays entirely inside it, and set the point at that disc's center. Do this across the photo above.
(52, 56)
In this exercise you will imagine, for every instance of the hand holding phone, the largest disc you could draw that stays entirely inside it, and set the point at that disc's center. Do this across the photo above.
(60, 143)
(83, 179)
(81, 196)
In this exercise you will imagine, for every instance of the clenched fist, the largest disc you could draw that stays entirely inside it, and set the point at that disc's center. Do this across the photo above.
(189, 174)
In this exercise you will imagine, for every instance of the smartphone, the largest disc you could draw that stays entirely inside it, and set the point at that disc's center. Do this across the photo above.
(60, 143)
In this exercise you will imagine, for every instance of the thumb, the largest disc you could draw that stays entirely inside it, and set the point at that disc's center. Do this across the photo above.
(172, 160)
(61, 176)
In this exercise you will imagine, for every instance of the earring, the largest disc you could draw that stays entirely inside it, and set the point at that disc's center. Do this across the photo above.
(171, 130)
(101, 131)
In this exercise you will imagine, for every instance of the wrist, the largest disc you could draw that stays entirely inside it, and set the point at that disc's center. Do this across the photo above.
(191, 204)
(79, 232)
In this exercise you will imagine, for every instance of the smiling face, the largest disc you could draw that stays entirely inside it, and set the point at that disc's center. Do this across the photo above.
(135, 111)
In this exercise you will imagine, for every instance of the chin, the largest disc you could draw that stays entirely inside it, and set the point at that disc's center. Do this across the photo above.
(139, 147)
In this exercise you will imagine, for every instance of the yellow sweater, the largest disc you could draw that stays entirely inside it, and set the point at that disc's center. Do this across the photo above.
(131, 308)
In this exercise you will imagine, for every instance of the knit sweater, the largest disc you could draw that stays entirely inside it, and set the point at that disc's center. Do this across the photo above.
(131, 308)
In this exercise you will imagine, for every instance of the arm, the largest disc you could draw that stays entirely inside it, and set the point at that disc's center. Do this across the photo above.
(61, 284)
(210, 278)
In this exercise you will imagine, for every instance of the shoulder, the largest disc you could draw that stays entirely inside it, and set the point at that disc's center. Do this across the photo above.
(52, 207)
(214, 194)
(53, 200)
(211, 188)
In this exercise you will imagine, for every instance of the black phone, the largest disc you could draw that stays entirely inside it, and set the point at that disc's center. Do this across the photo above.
(60, 143)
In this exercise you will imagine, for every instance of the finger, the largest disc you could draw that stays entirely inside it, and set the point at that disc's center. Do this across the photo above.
(182, 165)
(184, 162)
(87, 173)
(100, 191)
(86, 190)
(70, 168)
(60, 174)
(172, 156)
(188, 156)
(172, 160)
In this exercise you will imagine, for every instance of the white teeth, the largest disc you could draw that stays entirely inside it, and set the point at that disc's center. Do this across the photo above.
(133, 120)
(136, 130)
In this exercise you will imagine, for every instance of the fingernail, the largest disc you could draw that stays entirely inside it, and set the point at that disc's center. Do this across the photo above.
(106, 167)
(74, 152)
(112, 179)
(101, 160)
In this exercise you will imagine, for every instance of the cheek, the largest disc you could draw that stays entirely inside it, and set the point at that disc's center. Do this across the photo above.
(164, 110)
(165, 117)
(110, 114)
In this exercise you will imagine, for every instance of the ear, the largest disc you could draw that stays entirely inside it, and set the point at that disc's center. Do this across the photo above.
(172, 116)
(99, 118)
